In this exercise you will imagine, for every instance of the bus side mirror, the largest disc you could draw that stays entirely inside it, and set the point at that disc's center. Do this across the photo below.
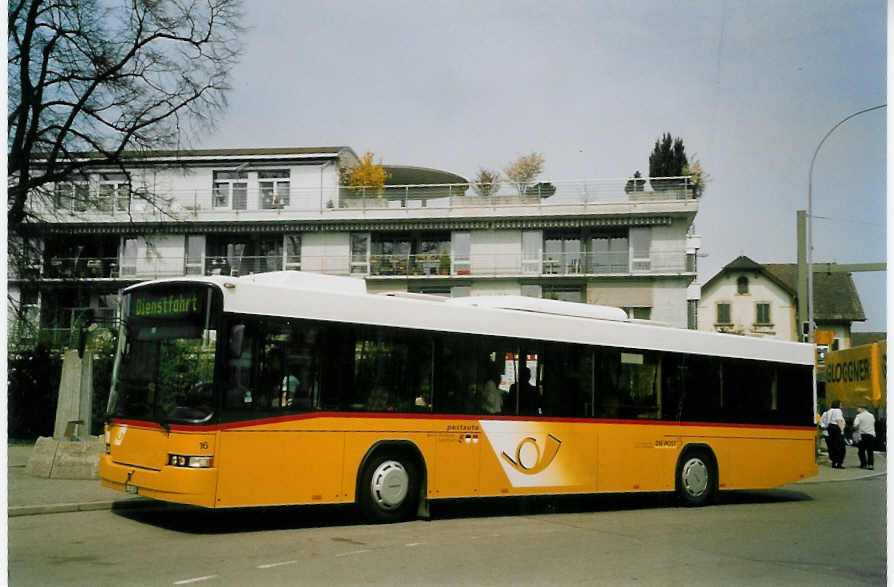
(237, 336)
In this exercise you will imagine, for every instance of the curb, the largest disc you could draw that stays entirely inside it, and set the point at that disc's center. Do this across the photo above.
(868, 476)
(90, 506)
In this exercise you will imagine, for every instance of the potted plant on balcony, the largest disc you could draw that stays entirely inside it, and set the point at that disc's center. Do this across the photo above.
(542, 190)
(666, 163)
(635, 184)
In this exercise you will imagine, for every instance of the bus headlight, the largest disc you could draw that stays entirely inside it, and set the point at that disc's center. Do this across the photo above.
(190, 461)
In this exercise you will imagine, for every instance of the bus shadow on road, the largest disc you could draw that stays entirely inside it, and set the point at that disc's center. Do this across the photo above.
(194, 520)
(764, 496)
(613, 502)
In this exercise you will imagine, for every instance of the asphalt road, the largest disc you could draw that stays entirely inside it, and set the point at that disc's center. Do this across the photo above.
(805, 534)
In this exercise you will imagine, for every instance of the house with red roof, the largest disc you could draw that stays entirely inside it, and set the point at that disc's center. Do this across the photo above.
(755, 299)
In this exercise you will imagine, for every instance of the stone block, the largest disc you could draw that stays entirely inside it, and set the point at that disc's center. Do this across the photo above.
(75, 394)
(40, 463)
(66, 459)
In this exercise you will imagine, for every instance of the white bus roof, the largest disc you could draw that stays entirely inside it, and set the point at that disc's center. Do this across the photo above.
(315, 296)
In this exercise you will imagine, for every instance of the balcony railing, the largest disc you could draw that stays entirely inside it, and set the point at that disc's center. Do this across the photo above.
(65, 331)
(247, 265)
(391, 265)
(80, 267)
(337, 201)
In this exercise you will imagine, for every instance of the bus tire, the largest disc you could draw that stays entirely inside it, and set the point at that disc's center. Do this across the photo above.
(696, 477)
(389, 487)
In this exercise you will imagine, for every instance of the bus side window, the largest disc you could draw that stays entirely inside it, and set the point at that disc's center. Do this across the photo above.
(703, 400)
(335, 350)
(299, 385)
(566, 380)
(673, 372)
(608, 400)
(384, 370)
(457, 386)
(237, 388)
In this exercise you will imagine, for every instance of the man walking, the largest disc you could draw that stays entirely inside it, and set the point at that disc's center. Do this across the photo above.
(864, 423)
(832, 423)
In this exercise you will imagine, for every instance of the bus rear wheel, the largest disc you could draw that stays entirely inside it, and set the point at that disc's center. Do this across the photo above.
(696, 478)
(389, 488)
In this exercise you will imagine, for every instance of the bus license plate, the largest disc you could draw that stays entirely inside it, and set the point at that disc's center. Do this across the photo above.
(130, 488)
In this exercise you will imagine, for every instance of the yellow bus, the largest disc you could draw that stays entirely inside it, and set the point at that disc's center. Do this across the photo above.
(299, 388)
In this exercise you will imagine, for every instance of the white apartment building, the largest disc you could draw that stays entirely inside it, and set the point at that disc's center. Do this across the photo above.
(240, 211)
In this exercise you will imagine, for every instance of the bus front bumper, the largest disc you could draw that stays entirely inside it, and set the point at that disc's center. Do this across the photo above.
(174, 484)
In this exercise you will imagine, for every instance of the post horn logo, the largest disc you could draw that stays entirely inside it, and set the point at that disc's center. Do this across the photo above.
(528, 458)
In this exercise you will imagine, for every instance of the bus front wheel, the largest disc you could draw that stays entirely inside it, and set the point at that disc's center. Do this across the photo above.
(389, 488)
(696, 477)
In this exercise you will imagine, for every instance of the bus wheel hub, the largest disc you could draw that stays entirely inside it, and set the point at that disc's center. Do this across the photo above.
(695, 477)
(390, 484)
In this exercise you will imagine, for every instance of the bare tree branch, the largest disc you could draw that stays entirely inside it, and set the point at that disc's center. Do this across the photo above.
(109, 79)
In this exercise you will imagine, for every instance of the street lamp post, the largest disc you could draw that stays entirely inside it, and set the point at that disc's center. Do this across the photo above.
(810, 325)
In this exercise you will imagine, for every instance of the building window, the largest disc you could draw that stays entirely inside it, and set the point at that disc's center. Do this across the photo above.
(72, 196)
(293, 252)
(230, 186)
(270, 255)
(360, 252)
(273, 186)
(742, 285)
(442, 291)
(456, 291)
(390, 253)
(564, 294)
(640, 248)
(462, 253)
(532, 242)
(428, 251)
(403, 253)
(531, 291)
(561, 253)
(762, 313)
(723, 314)
(195, 254)
(610, 253)
(225, 256)
(114, 192)
(243, 254)
(640, 313)
(129, 257)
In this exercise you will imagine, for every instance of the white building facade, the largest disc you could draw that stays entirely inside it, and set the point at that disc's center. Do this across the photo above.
(240, 211)
(757, 299)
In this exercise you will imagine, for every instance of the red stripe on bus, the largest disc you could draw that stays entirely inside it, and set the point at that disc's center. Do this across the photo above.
(392, 415)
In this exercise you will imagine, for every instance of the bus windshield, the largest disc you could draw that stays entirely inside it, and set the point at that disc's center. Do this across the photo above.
(164, 367)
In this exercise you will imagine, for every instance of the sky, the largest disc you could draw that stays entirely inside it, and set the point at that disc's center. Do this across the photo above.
(750, 86)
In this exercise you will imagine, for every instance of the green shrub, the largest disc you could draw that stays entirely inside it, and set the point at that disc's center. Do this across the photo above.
(32, 392)
(34, 374)
(103, 360)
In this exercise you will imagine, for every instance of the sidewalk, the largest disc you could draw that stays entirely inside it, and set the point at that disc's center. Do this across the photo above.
(851, 469)
(28, 495)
